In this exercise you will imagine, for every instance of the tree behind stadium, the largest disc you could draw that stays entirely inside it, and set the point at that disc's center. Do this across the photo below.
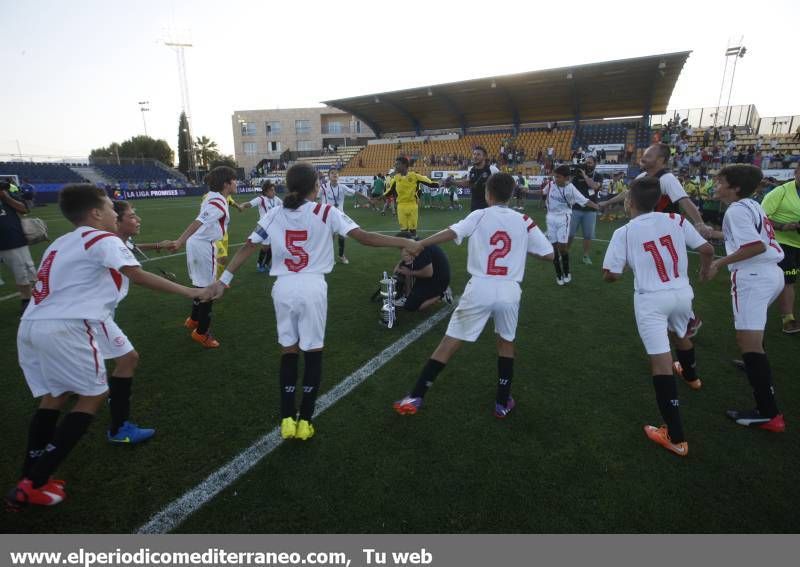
(137, 147)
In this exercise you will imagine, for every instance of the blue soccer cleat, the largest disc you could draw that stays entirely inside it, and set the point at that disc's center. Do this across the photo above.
(131, 434)
(501, 411)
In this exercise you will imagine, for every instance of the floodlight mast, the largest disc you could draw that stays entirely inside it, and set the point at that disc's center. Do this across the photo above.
(185, 106)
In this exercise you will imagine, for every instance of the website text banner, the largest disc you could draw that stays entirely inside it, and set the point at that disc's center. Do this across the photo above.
(393, 550)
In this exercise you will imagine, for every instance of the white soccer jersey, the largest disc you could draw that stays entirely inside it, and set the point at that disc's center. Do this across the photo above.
(79, 277)
(745, 223)
(670, 186)
(214, 216)
(654, 246)
(561, 199)
(301, 238)
(499, 241)
(264, 204)
(334, 194)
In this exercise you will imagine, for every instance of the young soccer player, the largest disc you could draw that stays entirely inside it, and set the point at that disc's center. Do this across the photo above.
(300, 233)
(79, 282)
(334, 193)
(114, 344)
(499, 240)
(264, 202)
(404, 185)
(561, 196)
(654, 245)
(756, 281)
(200, 236)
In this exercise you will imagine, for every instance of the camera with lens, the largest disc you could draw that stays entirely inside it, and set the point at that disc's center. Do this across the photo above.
(575, 169)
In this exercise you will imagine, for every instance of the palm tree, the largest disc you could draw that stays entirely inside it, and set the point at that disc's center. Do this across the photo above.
(205, 150)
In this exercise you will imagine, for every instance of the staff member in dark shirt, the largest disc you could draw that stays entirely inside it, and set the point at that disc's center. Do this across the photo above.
(427, 278)
(588, 182)
(476, 181)
(14, 249)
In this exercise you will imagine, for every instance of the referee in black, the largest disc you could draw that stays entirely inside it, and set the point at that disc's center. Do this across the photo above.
(478, 174)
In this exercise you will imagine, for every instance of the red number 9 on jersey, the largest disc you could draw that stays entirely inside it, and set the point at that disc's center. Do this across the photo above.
(293, 236)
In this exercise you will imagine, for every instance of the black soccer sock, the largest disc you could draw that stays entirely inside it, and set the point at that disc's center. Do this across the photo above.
(262, 255)
(204, 317)
(557, 262)
(759, 374)
(119, 401)
(288, 383)
(25, 304)
(40, 434)
(67, 435)
(341, 246)
(429, 373)
(667, 397)
(195, 309)
(268, 257)
(505, 373)
(312, 375)
(686, 358)
(565, 263)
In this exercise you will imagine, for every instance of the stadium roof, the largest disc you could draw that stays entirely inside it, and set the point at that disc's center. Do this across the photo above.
(627, 87)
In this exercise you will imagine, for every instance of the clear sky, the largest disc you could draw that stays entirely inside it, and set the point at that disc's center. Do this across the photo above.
(73, 72)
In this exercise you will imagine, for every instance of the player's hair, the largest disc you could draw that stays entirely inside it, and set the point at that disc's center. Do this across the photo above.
(333, 170)
(402, 159)
(120, 207)
(501, 186)
(267, 185)
(219, 176)
(743, 177)
(481, 149)
(301, 179)
(645, 193)
(77, 199)
(562, 170)
(663, 151)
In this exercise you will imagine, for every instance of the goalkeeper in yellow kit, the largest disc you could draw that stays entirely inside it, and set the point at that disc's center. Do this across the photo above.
(405, 186)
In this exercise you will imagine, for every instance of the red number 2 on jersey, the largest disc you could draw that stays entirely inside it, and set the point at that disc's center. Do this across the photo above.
(293, 236)
(42, 287)
(504, 239)
(666, 242)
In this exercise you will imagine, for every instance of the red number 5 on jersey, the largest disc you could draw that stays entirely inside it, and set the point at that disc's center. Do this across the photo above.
(504, 239)
(293, 236)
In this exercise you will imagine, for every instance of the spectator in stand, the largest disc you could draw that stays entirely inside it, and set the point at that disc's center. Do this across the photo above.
(796, 134)
(706, 137)
(14, 251)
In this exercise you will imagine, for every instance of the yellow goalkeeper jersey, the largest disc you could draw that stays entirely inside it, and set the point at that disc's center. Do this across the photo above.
(406, 186)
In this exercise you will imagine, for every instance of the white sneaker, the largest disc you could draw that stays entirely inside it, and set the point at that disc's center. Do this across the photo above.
(560, 281)
(567, 278)
(400, 302)
(448, 296)
(344, 260)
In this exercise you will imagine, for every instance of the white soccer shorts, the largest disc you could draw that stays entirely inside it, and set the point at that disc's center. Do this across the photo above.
(111, 340)
(301, 310)
(484, 298)
(558, 227)
(659, 312)
(201, 259)
(752, 292)
(61, 355)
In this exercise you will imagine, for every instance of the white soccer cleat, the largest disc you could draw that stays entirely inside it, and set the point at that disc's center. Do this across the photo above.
(567, 278)
(560, 281)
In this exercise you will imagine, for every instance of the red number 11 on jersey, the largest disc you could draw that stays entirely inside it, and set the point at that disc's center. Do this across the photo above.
(666, 242)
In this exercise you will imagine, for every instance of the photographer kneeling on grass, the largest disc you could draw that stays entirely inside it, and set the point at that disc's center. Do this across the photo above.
(425, 279)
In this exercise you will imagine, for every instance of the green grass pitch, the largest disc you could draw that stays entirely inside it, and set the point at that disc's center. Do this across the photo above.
(571, 458)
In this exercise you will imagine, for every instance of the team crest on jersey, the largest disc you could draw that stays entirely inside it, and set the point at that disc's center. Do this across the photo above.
(205, 214)
(119, 341)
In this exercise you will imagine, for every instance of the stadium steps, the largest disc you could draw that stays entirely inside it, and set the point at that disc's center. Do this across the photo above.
(92, 175)
(172, 171)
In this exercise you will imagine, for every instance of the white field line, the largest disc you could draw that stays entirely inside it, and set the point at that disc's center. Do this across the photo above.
(176, 512)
